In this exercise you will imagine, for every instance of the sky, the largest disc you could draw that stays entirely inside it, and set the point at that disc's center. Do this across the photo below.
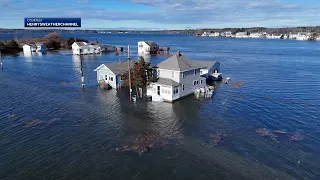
(166, 14)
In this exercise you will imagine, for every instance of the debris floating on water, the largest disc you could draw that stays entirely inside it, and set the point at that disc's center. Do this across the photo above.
(296, 137)
(217, 138)
(143, 142)
(33, 123)
(236, 84)
(271, 134)
(12, 115)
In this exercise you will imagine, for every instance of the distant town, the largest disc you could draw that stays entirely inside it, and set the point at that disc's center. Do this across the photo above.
(306, 36)
(313, 31)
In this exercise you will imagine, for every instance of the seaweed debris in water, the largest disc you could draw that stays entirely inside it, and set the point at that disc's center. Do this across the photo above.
(143, 142)
(33, 123)
(236, 84)
(12, 115)
(296, 137)
(217, 138)
(265, 132)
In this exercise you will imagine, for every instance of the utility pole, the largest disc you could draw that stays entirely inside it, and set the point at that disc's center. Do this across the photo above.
(1, 60)
(129, 71)
(81, 70)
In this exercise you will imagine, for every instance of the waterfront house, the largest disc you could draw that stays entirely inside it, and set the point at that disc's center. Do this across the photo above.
(29, 48)
(81, 48)
(41, 47)
(111, 73)
(303, 36)
(147, 47)
(242, 35)
(228, 34)
(179, 76)
(257, 35)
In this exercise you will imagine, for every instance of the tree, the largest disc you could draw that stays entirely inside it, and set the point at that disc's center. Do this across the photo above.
(141, 75)
(52, 40)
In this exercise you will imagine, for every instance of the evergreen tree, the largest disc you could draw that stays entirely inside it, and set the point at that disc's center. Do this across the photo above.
(141, 75)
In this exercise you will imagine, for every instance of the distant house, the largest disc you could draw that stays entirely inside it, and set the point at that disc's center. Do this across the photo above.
(81, 48)
(179, 76)
(111, 73)
(242, 35)
(41, 47)
(147, 47)
(29, 48)
(228, 34)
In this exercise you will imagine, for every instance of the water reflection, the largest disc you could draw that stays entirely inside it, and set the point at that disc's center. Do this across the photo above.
(166, 119)
(28, 55)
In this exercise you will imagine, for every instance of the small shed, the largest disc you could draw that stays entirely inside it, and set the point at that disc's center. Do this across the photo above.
(29, 48)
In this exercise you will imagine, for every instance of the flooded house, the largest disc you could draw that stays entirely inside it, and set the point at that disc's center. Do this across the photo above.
(147, 47)
(29, 48)
(82, 48)
(41, 47)
(111, 73)
(179, 76)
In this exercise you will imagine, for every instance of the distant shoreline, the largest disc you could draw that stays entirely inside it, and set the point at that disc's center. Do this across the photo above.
(284, 30)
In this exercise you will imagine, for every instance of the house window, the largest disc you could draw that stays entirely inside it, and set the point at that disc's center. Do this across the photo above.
(177, 90)
(182, 75)
(201, 72)
(195, 72)
(106, 77)
(182, 87)
(172, 74)
(158, 72)
(194, 83)
(201, 81)
(110, 78)
(197, 81)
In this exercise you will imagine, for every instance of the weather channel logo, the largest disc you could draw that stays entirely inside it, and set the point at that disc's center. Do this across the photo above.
(52, 22)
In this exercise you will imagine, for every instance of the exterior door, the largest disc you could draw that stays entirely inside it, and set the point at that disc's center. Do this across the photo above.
(158, 90)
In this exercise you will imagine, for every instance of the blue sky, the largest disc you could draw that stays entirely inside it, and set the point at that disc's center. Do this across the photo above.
(166, 14)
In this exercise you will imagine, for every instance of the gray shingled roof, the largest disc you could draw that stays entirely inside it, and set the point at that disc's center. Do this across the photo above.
(151, 43)
(80, 43)
(182, 63)
(165, 81)
(119, 67)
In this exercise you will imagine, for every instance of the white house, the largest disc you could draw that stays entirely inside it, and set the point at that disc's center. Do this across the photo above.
(80, 48)
(303, 36)
(242, 35)
(29, 48)
(179, 76)
(228, 34)
(147, 47)
(41, 47)
(111, 73)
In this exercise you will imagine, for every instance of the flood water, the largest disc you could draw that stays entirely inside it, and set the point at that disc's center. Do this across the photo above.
(51, 128)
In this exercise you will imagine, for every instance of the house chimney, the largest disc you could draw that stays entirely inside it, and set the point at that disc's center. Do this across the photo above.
(178, 53)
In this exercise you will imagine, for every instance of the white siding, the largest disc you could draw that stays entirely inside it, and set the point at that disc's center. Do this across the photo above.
(165, 92)
(187, 81)
(169, 74)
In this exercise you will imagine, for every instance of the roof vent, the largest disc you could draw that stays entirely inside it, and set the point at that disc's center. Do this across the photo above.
(178, 53)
